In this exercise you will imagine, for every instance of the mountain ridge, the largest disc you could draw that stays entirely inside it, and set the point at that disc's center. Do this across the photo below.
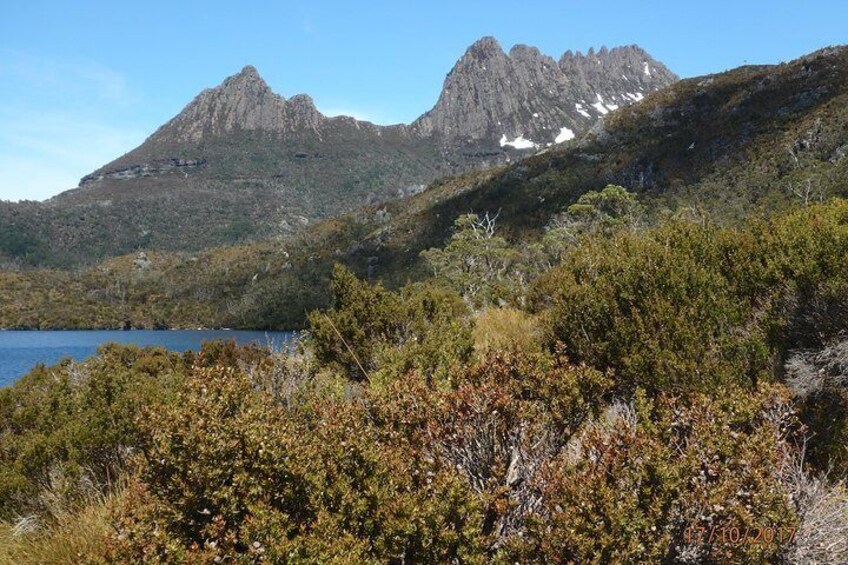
(245, 102)
(240, 162)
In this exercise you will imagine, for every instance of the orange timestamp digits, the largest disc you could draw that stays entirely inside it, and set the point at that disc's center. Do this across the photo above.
(733, 535)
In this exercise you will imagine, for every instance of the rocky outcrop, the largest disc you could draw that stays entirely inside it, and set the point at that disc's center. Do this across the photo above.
(158, 167)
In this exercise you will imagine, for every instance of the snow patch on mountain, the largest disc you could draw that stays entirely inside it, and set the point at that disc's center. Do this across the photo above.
(565, 134)
(518, 143)
(599, 105)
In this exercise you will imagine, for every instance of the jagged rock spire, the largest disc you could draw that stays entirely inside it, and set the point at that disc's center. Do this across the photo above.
(526, 99)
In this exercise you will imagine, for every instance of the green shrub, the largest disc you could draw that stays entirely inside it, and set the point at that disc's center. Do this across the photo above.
(689, 306)
(228, 474)
(662, 310)
(216, 466)
(375, 334)
(363, 317)
(74, 424)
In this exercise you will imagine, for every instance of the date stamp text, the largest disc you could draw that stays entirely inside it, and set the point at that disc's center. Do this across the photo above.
(732, 535)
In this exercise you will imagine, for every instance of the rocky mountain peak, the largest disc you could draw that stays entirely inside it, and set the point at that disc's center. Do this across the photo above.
(614, 77)
(527, 100)
(479, 59)
(483, 48)
(248, 71)
(243, 101)
(303, 101)
(521, 51)
(246, 85)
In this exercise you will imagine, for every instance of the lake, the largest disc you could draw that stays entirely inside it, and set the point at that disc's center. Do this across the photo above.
(20, 351)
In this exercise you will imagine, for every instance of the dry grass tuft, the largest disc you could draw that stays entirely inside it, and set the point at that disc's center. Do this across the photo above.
(63, 535)
(822, 506)
(506, 329)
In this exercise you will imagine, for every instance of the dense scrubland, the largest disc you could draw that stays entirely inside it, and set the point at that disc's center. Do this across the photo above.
(608, 391)
(525, 364)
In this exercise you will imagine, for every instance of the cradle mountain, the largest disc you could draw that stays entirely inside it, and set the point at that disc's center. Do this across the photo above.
(241, 163)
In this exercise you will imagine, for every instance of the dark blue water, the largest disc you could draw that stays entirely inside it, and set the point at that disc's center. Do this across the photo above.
(22, 350)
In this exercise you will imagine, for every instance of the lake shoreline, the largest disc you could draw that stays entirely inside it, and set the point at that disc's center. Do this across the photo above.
(21, 350)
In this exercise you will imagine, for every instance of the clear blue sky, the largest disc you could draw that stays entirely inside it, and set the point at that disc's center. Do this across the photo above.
(83, 82)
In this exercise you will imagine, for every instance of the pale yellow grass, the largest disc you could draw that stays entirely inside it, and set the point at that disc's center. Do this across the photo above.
(506, 329)
(70, 538)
